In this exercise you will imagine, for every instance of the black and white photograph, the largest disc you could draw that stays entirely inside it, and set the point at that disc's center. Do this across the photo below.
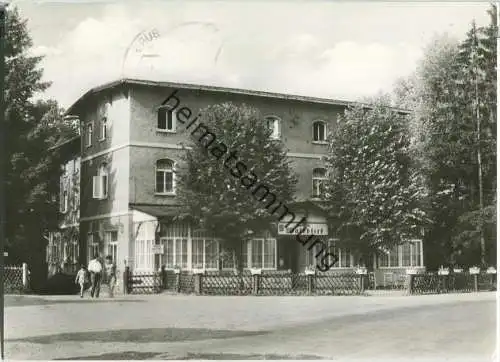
(245, 180)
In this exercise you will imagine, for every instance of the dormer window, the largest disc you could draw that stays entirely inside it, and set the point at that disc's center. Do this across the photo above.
(167, 119)
(274, 126)
(319, 131)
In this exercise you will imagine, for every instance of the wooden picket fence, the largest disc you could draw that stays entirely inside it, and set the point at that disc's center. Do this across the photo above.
(16, 279)
(433, 283)
(288, 283)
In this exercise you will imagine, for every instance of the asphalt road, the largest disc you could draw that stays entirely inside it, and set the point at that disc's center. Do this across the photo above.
(442, 327)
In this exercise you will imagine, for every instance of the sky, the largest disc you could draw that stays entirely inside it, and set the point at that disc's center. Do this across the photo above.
(340, 50)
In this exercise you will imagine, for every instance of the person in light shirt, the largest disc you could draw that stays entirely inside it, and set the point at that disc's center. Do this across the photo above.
(95, 269)
(110, 268)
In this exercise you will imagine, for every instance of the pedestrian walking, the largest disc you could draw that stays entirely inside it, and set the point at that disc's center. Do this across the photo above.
(81, 278)
(95, 269)
(110, 270)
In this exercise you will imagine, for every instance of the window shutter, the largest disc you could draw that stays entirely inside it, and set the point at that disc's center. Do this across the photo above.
(104, 187)
(96, 180)
(174, 119)
(162, 118)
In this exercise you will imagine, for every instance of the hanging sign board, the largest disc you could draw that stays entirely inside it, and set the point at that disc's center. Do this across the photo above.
(158, 249)
(319, 229)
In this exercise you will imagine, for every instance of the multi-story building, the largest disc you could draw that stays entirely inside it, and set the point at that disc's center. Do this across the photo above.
(63, 246)
(131, 146)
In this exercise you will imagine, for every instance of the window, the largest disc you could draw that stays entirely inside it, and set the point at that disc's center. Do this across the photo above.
(111, 246)
(227, 258)
(319, 131)
(204, 252)
(175, 238)
(63, 198)
(65, 201)
(211, 254)
(89, 134)
(274, 126)
(167, 119)
(100, 183)
(74, 250)
(197, 254)
(181, 253)
(402, 256)
(345, 257)
(318, 180)
(104, 128)
(260, 253)
(93, 245)
(144, 254)
(165, 182)
(256, 253)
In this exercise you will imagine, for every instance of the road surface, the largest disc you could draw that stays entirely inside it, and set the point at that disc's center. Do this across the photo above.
(455, 327)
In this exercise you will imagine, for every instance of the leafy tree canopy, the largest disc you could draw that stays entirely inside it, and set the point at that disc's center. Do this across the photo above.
(221, 175)
(373, 192)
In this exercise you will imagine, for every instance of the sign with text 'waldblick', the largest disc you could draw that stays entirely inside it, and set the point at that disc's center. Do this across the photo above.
(309, 229)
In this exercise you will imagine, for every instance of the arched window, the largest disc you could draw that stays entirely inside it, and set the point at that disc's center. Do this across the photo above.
(319, 131)
(104, 128)
(89, 134)
(104, 121)
(165, 180)
(274, 125)
(100, 186)
(318, 179)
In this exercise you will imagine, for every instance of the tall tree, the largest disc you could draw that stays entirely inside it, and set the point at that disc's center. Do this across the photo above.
(374, 192)
(32, 170)
(477, 90)
(222, 173)
(453, 95)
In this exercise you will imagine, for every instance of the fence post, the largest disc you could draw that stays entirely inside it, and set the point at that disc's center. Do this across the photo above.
(443, 280)
(362, 272)
(411, 283)
(256, 273)
(126, 274)
(410, 274)
(198, 276)
(25, 275)
(163, 276)
(474, 271)
(493, 274)
(310, 274)
(177, 280)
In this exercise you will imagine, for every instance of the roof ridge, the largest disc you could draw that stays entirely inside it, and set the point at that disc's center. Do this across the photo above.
(214, 88)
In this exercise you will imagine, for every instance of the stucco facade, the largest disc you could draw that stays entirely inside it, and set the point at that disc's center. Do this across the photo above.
(121, 207)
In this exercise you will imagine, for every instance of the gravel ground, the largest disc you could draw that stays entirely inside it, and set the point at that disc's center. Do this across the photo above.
(459, 327)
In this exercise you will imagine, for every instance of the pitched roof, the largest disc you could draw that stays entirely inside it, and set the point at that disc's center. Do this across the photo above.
(210, 88)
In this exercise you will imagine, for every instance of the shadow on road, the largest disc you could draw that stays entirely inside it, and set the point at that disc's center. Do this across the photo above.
(149, 335)
(131, 355)
(21, 301)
